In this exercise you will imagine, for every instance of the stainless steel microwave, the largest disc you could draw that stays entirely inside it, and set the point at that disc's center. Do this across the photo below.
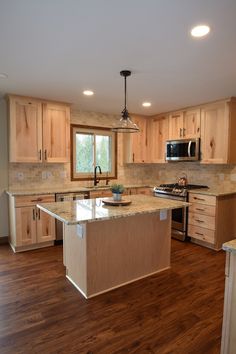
(183, 150)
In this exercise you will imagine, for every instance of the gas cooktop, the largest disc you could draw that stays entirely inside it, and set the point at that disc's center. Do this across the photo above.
(176, 189)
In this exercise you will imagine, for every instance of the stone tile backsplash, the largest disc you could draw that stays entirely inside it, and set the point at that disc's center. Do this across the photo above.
(40, 176)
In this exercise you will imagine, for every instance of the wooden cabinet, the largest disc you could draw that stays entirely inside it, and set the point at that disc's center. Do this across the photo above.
(25, 126)
(157, 134)
(211, 219)
(38, 131)
(184, 124)
(218, 137)
(135, 144)
(30, 227)
(56, 124)
(228, 341)
(100, 193)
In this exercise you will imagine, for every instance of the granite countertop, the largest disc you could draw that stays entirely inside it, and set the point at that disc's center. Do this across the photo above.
(88, 210)
(215, 191)
(230, 246)
(19, 192)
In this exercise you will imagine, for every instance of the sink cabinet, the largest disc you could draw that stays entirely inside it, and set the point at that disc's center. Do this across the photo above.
(30, 227)
(38, 131)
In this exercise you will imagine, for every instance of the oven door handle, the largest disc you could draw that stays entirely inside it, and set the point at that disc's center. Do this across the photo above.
(189, 148)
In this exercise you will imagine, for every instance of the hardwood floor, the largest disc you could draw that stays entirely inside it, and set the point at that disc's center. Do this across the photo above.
(178, 311)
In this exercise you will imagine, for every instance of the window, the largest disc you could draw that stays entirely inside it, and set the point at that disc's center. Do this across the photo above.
(91, 147)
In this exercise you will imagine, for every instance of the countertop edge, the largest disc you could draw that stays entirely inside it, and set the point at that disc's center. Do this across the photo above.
(229, 246)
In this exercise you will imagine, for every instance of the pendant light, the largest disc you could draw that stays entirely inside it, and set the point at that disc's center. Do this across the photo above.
(125, 124)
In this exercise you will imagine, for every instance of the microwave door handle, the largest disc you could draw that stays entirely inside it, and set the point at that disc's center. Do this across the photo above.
(189, 148)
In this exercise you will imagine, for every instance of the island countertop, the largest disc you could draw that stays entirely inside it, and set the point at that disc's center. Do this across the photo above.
(89, 210)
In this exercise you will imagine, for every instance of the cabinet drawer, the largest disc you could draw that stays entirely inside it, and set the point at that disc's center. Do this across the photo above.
(100, 194)
(202, 209)
(28, 200)
(201, 233)
(202, 220)
(202, 199)
(146, 191)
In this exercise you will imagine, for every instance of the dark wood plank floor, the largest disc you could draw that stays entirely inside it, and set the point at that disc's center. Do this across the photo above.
(177, 311)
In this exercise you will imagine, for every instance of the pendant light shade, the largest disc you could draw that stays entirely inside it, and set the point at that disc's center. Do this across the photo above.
(125, 124)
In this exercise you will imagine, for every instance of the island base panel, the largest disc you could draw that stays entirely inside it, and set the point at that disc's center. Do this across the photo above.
(115, 252)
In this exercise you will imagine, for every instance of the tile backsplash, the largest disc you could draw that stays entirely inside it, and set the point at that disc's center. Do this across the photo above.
(40, 176)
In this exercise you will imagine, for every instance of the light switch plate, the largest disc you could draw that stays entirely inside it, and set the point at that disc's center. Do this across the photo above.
(20, 176)
(44, 175)
(163, 214)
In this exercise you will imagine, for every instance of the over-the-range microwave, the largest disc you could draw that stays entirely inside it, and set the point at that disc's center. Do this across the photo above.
(183, 150)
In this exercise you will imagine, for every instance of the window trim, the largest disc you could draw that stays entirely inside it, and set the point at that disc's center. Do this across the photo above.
(93, 130)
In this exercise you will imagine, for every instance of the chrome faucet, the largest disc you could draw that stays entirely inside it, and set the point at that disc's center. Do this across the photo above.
(96, 180)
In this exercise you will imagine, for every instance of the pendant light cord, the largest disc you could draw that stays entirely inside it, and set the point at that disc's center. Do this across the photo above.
(125, 92)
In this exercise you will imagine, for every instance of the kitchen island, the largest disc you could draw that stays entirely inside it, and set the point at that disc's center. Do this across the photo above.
(105, 247)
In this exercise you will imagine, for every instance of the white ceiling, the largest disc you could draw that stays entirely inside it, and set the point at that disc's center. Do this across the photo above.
(55, 49)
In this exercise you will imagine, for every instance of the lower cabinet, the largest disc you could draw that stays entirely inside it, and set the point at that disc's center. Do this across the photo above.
(100, 194)
(211, 219)
(30, 227)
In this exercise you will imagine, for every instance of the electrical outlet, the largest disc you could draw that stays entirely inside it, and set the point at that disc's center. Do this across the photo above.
(20, 176)
(221, 176)
(44, 175)
(49, 174)
(63, 174)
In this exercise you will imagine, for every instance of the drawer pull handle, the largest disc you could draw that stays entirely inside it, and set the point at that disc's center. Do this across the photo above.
(37, 200)
(200, 209)
(199, 220)
(199, 199)
(199, 233)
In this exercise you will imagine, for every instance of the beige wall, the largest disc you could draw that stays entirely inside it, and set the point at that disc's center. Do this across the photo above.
(3, 170)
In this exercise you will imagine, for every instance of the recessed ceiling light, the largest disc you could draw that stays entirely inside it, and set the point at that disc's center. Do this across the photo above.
(146, 104)
(3, 76)
(88, 93)
(200, 31)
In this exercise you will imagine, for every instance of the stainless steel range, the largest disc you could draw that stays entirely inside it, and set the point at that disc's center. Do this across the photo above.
(179, 216)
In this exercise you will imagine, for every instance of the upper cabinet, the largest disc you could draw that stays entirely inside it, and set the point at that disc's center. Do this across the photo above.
(25, 126)
(135, 144)
(38, 130)
(56, 124)
(218, 137)
(157, 134)
(184, 124)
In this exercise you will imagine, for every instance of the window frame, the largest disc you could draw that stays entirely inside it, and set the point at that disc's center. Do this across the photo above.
(77, 128)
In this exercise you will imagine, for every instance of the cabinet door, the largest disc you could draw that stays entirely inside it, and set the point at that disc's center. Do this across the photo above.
(157, 136)
(214, 133)
(56, 135)
(25, 226)
(176, 125)
(139, 140)
(25, 141)
(191, 124)
(45, 227)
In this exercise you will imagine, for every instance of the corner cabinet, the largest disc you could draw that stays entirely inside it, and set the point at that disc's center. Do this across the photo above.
(30, 227)
(218, 137)
(38, 130)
